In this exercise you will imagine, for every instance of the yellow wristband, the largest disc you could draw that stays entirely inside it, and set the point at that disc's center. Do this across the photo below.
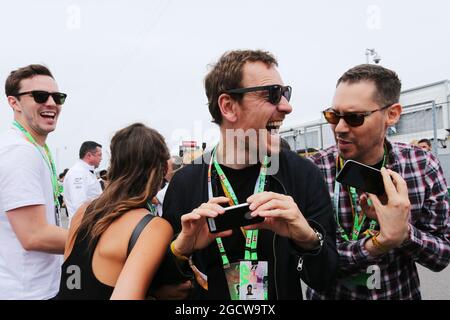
(176, 253)
(378, 245)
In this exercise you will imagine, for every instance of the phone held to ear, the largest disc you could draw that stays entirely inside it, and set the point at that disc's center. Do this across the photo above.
(234, 217)
(361, 177)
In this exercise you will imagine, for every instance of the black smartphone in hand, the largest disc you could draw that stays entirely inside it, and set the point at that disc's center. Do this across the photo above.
(361, 177)
(234, 217)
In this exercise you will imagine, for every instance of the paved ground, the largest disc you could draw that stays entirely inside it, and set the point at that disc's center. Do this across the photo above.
(435, 285)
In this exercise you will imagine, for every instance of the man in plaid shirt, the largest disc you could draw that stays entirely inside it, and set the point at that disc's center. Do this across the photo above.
(407, 225)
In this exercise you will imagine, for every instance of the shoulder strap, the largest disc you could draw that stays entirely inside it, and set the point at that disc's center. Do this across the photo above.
(137, 231)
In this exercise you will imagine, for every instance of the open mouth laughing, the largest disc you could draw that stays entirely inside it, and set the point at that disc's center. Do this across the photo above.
(48, 115)
(274, 126)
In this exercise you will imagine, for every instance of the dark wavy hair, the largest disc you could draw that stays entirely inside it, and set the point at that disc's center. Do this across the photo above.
(138, 165)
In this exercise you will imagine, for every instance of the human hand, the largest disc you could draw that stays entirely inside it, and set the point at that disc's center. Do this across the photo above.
(283, 217)
(177, 291)
(393, 216)
(195, 234)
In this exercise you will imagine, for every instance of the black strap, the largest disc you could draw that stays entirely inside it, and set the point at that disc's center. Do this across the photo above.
(137, 231)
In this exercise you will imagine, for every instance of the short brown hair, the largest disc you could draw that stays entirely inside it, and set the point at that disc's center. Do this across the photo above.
(386, 81)
(427, 141)
(12, 84)
(226, 74)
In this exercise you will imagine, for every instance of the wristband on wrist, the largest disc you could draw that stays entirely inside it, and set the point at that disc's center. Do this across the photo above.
(176, 253)
(379, 245)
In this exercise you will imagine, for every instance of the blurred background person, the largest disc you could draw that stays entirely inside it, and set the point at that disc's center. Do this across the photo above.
(80, 182)
(425, 144)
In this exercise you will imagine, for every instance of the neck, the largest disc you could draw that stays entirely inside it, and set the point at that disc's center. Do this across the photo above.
(87, 162)
(374, 157)
(40, 139)
(233, 154)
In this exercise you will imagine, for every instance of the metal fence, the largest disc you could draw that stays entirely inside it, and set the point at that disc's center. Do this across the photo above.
(427, 119)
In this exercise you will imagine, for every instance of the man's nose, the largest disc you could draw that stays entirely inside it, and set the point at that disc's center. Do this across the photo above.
(284, 106)
(50, 101)
(341, 126)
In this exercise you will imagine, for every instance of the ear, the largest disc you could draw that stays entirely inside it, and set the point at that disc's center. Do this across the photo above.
(393, 114)
(228, 107)
(13, 102)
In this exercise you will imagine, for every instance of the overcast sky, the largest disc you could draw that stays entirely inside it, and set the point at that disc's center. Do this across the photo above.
(126, 61)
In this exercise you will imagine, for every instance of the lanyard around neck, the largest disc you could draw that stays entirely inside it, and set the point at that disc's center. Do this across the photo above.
(251, 237)
(358, 216)
(48, 160)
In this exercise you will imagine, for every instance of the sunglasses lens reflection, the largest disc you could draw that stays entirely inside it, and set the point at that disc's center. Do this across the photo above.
(276, 92)
(352, 119)
(287, 93)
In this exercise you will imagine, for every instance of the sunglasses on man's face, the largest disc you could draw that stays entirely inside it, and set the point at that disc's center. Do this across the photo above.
(42, 96)
(353, 119)
(275, 92)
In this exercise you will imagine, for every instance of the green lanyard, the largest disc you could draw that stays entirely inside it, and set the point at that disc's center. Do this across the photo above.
(48, 160)
(152, 208)
(251, 238)
(359, 217)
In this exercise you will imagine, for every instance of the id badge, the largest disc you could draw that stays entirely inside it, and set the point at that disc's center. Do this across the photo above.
(232, 275)
(253, 280)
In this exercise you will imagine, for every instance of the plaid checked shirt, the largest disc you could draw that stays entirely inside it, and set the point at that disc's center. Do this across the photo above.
(429, 241)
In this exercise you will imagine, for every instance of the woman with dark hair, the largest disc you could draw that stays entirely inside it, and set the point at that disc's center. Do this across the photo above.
(115, 245)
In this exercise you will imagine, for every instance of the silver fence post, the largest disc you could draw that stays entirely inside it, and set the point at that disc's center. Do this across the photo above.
(435, 146)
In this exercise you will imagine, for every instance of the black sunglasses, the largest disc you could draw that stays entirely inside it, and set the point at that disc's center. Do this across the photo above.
(42, 96)
(353, 119)
(275, 92)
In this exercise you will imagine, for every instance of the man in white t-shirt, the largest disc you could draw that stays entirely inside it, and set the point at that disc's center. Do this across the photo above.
(30, 239)
(80, 182)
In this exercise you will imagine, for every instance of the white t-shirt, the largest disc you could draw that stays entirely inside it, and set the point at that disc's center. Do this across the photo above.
(24, 180)
(80, 185)
(160, 197)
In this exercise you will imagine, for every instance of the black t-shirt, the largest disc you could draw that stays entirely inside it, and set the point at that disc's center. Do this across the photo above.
(243, 183)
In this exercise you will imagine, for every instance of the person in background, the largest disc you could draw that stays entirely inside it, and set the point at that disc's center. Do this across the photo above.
(174, 164)
(31, 239)
(425, 144)
(103, 178)
(80, 183)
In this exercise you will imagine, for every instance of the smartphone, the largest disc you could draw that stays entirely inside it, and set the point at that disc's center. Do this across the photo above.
(234, 217)
(362, 177)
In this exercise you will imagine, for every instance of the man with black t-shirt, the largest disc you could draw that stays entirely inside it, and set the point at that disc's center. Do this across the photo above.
(248, 100)
(380, 241)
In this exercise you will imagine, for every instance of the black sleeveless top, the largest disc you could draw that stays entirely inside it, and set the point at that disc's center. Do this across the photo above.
(78, 281)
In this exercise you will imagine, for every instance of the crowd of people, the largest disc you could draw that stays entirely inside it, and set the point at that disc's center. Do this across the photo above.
(140, 230)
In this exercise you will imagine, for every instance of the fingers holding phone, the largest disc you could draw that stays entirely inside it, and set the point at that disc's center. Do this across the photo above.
(194, 234)
(393, 216)
(283, 217)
